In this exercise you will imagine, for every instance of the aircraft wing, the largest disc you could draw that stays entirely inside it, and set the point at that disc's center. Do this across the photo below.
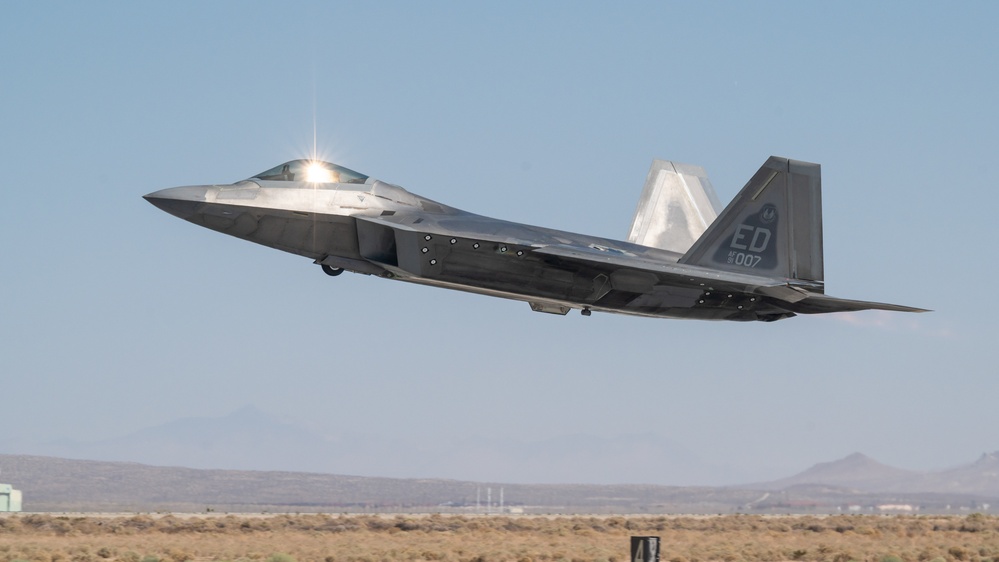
(796, 298)
(581, 273)
(671, 273)
(374, 231)
(818, 303)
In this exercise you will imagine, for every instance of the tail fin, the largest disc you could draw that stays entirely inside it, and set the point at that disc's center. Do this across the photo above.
(773, 227)
(677, 206)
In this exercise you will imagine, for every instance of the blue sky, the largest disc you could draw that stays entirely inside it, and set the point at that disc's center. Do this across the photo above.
(117, 316)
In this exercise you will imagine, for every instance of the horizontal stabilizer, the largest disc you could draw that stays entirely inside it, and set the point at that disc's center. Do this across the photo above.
(676, 207)
(817, 303)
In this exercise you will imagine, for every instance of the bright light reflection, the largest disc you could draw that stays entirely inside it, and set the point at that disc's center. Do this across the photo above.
(315, 172)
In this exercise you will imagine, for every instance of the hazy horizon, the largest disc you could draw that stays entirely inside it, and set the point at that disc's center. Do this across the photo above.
(251, 439)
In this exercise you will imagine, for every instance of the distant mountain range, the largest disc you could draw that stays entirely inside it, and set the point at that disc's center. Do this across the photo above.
(296, 469)
(862, 473)
(54, 484)
(249, 439)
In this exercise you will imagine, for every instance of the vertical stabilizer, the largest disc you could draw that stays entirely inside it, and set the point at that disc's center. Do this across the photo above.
(676, 207)
(773, 226)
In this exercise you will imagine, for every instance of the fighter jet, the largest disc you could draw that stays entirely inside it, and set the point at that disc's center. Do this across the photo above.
(759, 258)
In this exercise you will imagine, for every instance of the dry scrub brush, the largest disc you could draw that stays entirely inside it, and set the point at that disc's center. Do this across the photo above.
(447, 538)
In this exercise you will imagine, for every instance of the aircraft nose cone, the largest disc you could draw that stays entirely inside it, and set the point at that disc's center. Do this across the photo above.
(178, 201)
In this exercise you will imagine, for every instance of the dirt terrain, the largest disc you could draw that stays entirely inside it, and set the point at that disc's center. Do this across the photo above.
(372, 538)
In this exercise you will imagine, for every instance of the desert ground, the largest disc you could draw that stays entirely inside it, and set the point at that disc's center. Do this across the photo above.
(373, 538)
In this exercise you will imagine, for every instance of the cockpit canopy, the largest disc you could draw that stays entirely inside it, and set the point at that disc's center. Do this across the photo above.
(313, 171)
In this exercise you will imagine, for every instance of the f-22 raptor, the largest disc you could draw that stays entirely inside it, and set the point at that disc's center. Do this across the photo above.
(759, 258)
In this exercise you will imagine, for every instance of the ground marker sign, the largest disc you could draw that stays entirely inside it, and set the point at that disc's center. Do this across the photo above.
(644, 549)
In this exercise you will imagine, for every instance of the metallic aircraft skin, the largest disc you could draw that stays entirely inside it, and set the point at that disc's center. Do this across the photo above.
(759, 260)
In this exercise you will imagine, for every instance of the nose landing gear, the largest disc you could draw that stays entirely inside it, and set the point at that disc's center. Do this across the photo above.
(331, 271)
